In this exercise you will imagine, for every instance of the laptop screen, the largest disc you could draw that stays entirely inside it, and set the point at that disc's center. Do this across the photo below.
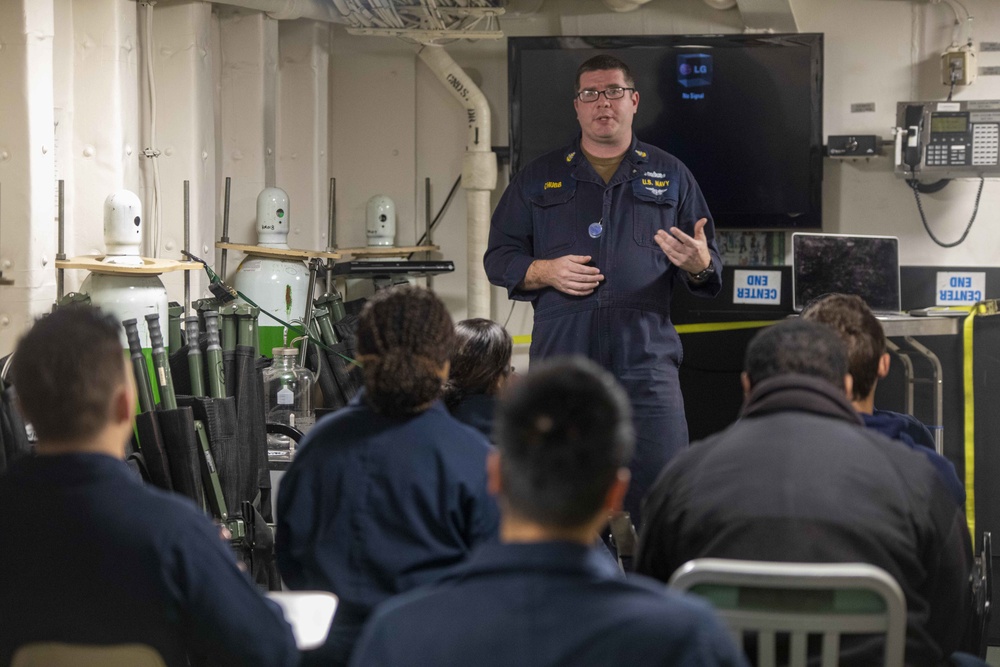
(864, 265)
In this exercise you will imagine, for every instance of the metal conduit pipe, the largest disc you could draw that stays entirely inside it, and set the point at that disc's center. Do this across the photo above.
(479, 169)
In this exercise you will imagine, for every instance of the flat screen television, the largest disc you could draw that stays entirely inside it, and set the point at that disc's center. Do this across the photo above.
(743, 112)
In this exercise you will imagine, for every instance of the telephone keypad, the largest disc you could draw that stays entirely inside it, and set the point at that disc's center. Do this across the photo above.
(985, 143)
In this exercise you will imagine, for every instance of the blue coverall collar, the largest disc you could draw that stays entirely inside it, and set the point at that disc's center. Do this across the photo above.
(553, 557)
(635, 154)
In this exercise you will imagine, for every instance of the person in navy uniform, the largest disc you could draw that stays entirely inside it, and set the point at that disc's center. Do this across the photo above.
(389, 492)
(595, 236)
(89, 554)
(868, 359)
(798, 478)
(545, 595)
(480, 369)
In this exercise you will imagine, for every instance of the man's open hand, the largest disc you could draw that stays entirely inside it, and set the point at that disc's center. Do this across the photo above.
(689, 253)
(569, 274)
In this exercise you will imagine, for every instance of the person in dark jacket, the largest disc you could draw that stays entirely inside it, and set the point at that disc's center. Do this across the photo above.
(546, 596)
(480, 367)
(868, 360)
(799, 478)
(389, 492)
(89, 554)
(595, 236)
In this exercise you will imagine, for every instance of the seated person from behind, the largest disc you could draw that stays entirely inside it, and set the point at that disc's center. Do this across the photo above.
(546, 595)
(798, 479)
(868, 360)
(390, 491)
(480, 367)
(90, 555)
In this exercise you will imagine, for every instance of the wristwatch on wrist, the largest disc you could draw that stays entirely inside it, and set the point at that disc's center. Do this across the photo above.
(704, 274)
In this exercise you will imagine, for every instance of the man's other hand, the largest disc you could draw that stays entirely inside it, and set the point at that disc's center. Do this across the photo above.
(689, 253)
(569, 274)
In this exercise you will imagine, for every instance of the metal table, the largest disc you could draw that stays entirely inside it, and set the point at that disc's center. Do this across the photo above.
(907, 327)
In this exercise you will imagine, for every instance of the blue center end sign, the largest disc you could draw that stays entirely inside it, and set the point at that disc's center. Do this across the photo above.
(757, 287)
(960, 288)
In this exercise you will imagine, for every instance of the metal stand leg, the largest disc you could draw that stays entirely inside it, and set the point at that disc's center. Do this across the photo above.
(904, 357)
(938, 390)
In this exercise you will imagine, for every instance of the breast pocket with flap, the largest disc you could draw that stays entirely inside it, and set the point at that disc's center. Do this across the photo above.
(654, 209)
(554, 213)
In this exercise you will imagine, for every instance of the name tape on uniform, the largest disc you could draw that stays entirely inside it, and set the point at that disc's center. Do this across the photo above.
(960, 288)
(757, 287)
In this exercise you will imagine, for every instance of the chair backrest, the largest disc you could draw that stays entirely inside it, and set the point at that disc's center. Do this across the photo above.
(775, 601)
(309, 613)
(56, 654)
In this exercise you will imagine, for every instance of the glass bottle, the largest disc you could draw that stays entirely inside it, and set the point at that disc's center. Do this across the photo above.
(288, 399)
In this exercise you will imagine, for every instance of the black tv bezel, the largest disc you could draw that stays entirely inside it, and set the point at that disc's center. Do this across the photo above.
(811, 220)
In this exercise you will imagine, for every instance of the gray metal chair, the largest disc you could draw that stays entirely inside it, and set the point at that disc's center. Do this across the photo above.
(774, 601)
(56, 654)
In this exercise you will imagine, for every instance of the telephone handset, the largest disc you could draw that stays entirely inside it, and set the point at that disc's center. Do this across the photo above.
(948, 139)
(914, 126)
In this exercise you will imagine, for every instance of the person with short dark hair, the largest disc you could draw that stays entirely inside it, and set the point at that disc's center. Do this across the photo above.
(389, 492)
(89, 554)
(480, 368)
(799, 479)
(547, 596)
(868, 360)
(595, 236)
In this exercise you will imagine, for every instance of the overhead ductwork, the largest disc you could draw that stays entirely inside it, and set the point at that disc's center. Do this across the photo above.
(315, 10)
(624, 5)
(629, 5)
(758, 15)
(721, 4)
(767, 15)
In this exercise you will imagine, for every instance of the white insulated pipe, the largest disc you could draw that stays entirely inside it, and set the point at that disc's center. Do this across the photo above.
(479, 169)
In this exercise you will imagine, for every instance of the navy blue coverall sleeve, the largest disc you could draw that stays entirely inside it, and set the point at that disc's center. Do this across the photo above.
(228, 622)
(511, 243)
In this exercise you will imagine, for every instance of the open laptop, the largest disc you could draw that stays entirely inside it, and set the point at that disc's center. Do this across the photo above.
(864, 265)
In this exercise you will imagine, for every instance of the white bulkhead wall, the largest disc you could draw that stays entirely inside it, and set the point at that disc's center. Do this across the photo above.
(27, 165)
(244, 95)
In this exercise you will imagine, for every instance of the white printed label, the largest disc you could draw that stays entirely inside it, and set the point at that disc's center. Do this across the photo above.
(251, 265)
(949, 106)
(285, 396)
(960, 289)
(757, 287)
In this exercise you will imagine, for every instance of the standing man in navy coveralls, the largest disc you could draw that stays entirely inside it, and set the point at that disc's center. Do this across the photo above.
(594, 235)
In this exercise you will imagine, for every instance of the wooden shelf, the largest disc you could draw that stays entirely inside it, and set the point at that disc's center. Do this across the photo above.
(149, 267)
(387, 251)
(339, 253)
(279, 253)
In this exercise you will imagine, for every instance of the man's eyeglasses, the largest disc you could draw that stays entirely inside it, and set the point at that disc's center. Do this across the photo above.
(613, 93)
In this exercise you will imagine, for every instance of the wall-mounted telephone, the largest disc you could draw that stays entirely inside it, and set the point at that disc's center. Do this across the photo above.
(948, 139)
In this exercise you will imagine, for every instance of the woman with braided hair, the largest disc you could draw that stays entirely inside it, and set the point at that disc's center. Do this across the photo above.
(480, 368)
(389, 492)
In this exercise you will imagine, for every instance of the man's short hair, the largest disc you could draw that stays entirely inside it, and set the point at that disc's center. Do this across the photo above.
(796, 346)
(66, 369)
(563, 433)
(853, 320)
(602, 62)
